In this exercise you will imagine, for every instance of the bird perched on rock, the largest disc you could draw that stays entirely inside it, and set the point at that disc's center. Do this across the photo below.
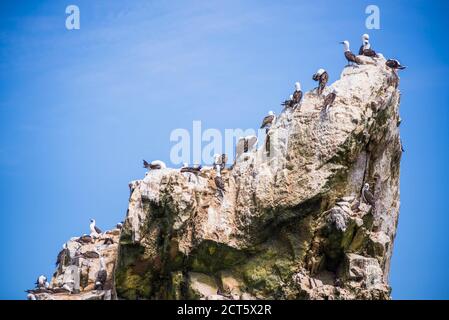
(94, 230)
(41, 282)
(220, 160)
(349, 55)
(394, 64)
(367, 196)
(102, 276)
(288, 103)
(219, 183)
(90, 255)
(196, 168)
(108, 241)
(154, 165)
(119, 225)
(322, 77)
(268, 121)
(329, 100)
(245, 144)
(63, 256)
(365, 49)
(85, 238)
(297, 95)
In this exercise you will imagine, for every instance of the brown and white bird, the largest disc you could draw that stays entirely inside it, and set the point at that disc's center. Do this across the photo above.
(352, 58)
(102, 276)
(94, 230)
(220, 160)
(322, 77)
(365, 49)
(268, 121)
(367, 196)
(394, 64)
(288, 103)
(329, 100)
(297, 95)
(196, 168)
(154, 165)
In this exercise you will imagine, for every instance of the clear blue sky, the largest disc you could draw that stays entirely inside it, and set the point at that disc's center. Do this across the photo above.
(79, 110)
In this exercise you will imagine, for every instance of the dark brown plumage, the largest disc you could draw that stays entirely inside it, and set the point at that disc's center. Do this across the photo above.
(297, 97)
(351, 57)
(367, 196)
(90, 255)
(394, 64)
(329, 100)
(100, 281)
(150, 166)
(191, 169)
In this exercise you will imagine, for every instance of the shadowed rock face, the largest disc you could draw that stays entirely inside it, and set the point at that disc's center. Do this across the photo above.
(290, 225)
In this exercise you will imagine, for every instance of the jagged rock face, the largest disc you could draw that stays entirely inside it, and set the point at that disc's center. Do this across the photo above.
(291, 225)
(77, 271)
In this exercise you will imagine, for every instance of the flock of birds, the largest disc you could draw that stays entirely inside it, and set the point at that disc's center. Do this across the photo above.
(322, 77)
(244, 144)
(64, 258)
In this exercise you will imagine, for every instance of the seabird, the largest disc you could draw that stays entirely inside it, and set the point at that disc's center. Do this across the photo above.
(90, 255)
(329, 100)
(154, 165)
(63, 256)
(31, 296)
(322, 77)
(268, 121)
(41, 282)
(349, 55)
(394, 64)
(85, 238)
(219, 183)
(220, 160)
(119, 225)
(365, 42)
(367, 196)
(288, 103)
(102, 276)
(93, 228)
(108, 241)
(297, 95)
(195, 169)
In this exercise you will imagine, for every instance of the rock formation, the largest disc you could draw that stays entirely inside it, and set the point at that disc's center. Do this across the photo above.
(291, 224)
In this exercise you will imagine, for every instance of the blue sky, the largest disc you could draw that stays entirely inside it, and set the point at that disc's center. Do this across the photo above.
(80, 109)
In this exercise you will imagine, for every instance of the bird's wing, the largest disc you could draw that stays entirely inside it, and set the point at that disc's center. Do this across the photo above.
(369, 197)
(219, 183)
(224, 158)
(315, 77)
(145, 164)
(361, 50)
(324, 78)
(98, 230)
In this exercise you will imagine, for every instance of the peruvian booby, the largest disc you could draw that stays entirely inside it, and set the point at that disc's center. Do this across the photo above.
(93, 228)
(219, 183)
(154, 165)
(196, 168)
(63, 256)
(322, 77)
(348, 54)
(245, 144)
(367, 196)
(90, 255)
(297, 95)
(268, 121)
(365, 43)
(288, 103)
(41, 282)
(85, 238)
(220, 160)
(394, 64)
(108, 241)
(102, 276)
(329, 100)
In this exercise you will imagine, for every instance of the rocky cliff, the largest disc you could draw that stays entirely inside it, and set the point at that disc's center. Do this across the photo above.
(291, 225)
